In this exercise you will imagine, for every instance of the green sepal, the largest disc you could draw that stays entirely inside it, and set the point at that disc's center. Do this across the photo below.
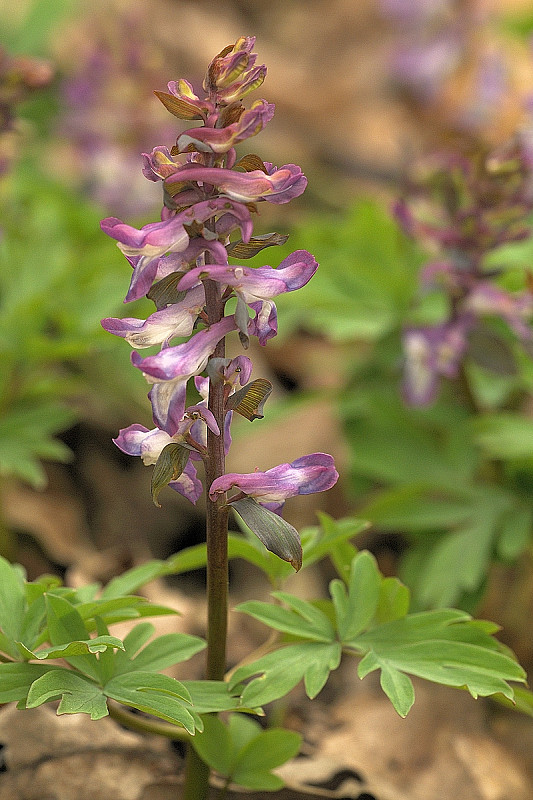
(169, 466)
(278, 536)
(178, 107)
(250, 162)
(165, 292)
(249, 401)
(240, 249)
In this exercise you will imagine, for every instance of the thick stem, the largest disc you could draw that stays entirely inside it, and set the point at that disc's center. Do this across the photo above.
(197, 772)
(217, 514)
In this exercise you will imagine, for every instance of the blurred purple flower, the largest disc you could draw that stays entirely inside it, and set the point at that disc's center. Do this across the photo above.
(432, 352)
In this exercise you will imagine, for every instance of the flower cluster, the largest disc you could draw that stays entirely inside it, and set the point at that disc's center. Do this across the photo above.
(182, 262)
(463, 207)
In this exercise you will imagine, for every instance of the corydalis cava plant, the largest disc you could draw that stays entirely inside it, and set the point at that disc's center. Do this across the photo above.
(182, 263)
(464, 206)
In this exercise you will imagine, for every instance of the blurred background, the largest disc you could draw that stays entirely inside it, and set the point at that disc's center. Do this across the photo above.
(362, 90)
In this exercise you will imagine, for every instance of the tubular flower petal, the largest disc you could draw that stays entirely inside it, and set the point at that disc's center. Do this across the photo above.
(169, 235)
(158, 164)
(261, 283)
(220, 140)
(175, 320)
(278, 187)
(187, 359)
(146, 269)
(306, 475)
(168, 400)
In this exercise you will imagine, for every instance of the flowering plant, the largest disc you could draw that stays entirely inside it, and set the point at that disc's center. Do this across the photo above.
(181, 263)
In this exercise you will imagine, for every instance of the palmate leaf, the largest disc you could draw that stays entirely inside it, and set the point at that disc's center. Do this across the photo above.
(210, 697)
(78, 694)
(244, 753)
(12, 606)
(444, 646)
(281, 670)
(156, 694)
(16, 679)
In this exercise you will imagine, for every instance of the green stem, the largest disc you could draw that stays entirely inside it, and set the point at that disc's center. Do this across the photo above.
(197, 772)
(147, 724)
(217, 513)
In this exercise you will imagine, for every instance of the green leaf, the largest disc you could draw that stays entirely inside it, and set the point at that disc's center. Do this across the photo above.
(330, 536)
(78, 695)
(26, 437)
(258, 780)
(302, 619)
(394, 598)
(97, 645)
(162, 652)
(399, 689)
(356, 610)
(515, 533)
(12, 605)
(281, 670)
(65, 625)
(243, 753)
(214, 696)
(133, 579)
(408, 508)
(505, 435)
(187, 559)
(155, 694)
(169, 466)
(266, 751)
(213, 745)
(16, 679)
(444, 646)
(276, 534)
(457, 563)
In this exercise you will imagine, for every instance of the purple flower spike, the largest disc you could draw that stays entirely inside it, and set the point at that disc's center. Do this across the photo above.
(175, 320)
(151, 240)
(514, 309)
(187, 359)
(220, 140)
(306, 475)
